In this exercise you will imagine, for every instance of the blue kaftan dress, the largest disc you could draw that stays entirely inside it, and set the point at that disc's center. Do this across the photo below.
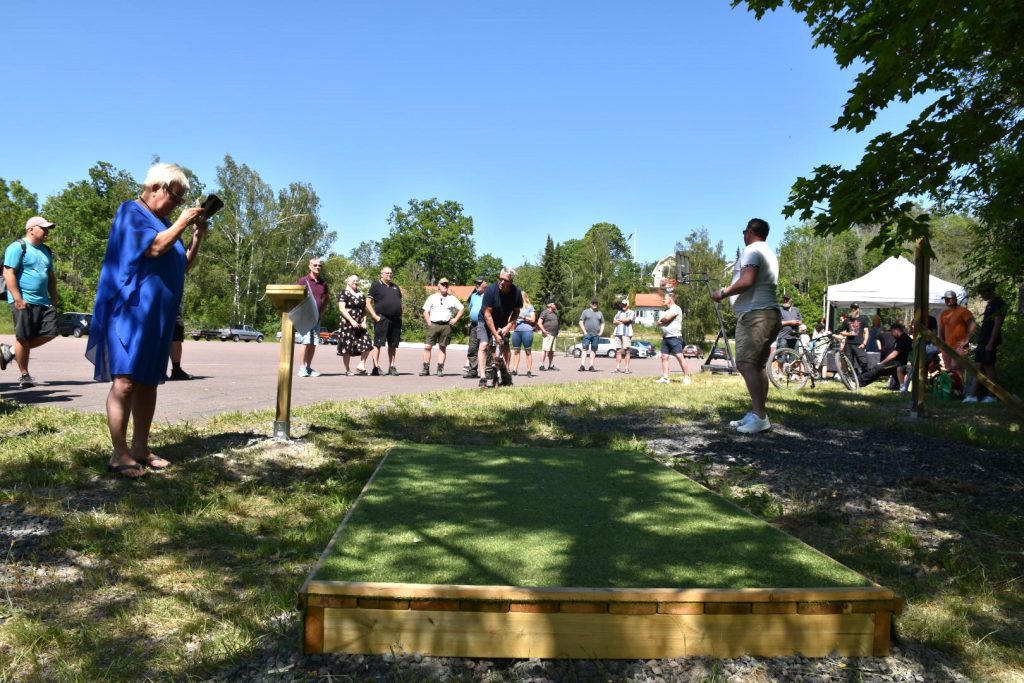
(137, 300)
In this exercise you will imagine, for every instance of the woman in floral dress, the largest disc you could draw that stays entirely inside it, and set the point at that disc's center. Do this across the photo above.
(353, 338)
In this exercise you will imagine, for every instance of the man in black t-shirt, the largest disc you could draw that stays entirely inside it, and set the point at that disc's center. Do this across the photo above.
(384, 305)
(855, 331)
(501, 305)
(895, 362)
(990, 334)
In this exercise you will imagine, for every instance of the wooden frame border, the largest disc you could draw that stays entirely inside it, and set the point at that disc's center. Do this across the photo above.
(591, 623)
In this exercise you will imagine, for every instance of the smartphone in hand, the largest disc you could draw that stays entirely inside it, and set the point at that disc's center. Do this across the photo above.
(211, 205)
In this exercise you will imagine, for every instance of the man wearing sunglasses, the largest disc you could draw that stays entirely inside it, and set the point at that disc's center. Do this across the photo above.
(501, 305)
(758, 320)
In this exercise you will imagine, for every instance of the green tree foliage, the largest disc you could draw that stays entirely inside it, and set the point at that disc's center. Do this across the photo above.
(17, 205)
(257, 239)
(488, 266)
(429, 240)
(809, 263)
(552, 278)
(599, 265)
(83, 212)
(963, 151)
(704, 259)
(366, 258)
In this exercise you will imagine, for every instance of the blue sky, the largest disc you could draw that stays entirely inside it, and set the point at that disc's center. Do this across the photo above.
(538, 117)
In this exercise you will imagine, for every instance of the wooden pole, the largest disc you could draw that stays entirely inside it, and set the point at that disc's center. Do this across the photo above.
(1002, 394)
(285, 298)
(282, 419)
(922, 266)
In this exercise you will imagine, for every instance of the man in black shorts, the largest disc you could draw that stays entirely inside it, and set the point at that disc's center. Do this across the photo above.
(384, 304)
(501, 305)
(31, 292)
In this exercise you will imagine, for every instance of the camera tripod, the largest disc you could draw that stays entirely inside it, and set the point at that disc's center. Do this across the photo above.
(685, 277)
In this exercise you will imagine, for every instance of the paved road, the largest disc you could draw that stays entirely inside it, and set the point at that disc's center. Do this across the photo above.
(240, 376)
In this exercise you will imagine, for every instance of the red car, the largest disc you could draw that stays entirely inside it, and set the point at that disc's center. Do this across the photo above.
(329, 337)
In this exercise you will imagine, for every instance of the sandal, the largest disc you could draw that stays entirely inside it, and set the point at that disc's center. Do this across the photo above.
(349, 373)
(358, 372)
(154, 461)
(124, 469)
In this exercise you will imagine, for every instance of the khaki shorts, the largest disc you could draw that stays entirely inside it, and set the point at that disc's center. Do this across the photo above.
(755, 332)
(620, 342)
(549, 343)
(438, 334)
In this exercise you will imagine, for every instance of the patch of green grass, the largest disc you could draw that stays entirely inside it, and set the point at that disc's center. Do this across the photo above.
(561, 517)
(184, 573)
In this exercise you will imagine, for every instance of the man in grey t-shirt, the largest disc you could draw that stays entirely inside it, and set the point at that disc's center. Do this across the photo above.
(592, 326)
(549, 327)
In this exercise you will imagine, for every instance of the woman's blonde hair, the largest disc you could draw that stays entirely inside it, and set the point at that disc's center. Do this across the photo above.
(160, 175)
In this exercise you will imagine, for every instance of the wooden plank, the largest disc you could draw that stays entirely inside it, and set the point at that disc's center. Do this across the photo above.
(438, 605)
(824, 608)
(381, 603)
(681, 607)
(314, 630)
(583, 607)
(727, 608)
(534, 607)
(414, 591)
(773, 608)
(608, 636)
(633, 607)
(883, 629)
(331, 601)
(483, 606)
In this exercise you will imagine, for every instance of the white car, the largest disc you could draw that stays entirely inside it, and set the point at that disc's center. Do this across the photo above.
(606, 347)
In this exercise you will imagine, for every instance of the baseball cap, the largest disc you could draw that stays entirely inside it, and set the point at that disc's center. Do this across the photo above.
(625, 302)
(480, 280)
(950, 294)
(552, 303)
(38, 222)
(787, 297)
(853, 306)
(593, 301)
(443, 281)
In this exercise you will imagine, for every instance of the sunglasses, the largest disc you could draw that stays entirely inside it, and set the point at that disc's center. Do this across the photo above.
(178, 197)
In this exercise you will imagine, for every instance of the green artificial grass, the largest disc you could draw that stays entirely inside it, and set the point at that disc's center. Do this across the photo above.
(473, 515)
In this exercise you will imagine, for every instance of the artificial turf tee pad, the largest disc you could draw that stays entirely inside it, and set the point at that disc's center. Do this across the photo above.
(531, 552)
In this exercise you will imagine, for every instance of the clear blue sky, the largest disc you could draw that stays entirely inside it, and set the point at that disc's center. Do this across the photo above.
(538, 117)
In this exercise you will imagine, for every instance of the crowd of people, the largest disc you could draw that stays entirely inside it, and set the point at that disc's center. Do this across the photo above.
(861, 336)
(137, 325)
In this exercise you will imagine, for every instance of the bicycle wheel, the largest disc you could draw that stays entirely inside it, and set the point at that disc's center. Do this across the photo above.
(787, 370)
(847, 374)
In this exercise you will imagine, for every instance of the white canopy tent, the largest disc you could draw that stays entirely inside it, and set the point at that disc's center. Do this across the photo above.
(890, 285)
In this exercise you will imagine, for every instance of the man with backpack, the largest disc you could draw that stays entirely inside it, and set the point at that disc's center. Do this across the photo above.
(32, 293)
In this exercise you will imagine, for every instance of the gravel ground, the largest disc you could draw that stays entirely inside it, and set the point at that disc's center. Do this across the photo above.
(840, 475)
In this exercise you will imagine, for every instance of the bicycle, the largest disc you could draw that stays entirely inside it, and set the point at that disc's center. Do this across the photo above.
(793, 368)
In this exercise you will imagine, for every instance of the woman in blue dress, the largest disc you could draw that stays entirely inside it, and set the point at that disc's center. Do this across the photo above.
(140, 288)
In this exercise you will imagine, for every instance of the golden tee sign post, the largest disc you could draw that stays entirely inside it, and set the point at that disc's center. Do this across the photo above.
(285, 298)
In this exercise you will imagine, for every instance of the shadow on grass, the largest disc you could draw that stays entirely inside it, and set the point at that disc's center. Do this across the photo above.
(205, 554)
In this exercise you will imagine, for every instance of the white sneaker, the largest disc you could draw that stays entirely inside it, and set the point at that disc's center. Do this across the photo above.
(743, 420)
(687, 380)
(990, 399)
(755, 425)
(971, 399)
(303, 372)
(664, 380)
(312, 373)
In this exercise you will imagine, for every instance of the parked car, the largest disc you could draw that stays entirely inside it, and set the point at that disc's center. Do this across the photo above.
(329, 337)
(718, 353)
(243, 333)
(651, 351)
(605, 347)
(75, 324)
(639, 349)
(691, 351)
